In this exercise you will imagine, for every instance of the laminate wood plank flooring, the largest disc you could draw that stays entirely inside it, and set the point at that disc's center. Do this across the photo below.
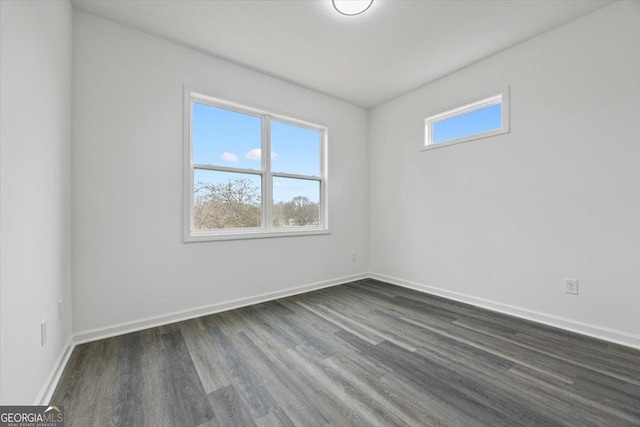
(362, 354)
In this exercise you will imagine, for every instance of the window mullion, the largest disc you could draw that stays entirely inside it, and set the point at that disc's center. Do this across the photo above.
(226, 169)
(267, 185)
(296, 176)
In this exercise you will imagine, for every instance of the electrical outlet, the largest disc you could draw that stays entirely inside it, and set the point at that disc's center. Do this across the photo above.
(571, 286)
(353, 256)
(60, 312)
(43, 333)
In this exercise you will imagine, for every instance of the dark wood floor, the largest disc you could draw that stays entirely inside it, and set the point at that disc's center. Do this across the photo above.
(363, 354)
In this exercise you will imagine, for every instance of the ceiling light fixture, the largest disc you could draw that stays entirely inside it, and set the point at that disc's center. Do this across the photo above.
(351, 7)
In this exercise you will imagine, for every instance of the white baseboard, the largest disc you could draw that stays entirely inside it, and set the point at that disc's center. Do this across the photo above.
(49, 386)
(151, 322)
(606, 334)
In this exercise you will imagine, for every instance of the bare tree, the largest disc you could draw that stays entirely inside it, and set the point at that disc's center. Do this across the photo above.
(231, 204)
(237, 204)
(304, 211)
(299, 211)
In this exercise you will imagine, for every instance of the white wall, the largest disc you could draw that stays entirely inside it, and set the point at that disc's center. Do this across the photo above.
(129, 259)
(35, 87)
(501, 221)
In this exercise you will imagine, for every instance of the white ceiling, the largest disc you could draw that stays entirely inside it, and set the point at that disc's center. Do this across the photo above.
(394, 47)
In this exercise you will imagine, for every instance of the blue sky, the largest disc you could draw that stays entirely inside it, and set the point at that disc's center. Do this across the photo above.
(226, 138)
(482, 120)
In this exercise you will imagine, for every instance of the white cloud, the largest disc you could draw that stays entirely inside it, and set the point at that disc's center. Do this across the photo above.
(229, 157)
(256, 154)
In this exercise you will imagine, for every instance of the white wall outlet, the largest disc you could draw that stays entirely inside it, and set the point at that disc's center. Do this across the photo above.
(60, 312)
(354, 256)
(43, 333)
(571, 286)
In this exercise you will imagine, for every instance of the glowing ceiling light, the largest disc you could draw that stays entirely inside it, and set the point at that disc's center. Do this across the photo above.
(351, 7)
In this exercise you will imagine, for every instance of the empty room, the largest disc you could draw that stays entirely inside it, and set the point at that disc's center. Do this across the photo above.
(320, 212)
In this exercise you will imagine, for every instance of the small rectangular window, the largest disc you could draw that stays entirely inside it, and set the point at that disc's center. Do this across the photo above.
(233, 190)
(480, 119)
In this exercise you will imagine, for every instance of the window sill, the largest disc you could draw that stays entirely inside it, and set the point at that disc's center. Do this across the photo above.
(465, 139)
(255, 234)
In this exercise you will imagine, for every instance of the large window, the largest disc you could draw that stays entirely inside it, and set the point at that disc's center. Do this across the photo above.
(480, 119)
(250, 173)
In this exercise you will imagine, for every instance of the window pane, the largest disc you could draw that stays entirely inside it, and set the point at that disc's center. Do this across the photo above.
(295, 149)
(471, 123)
(296, 202)
(226, 138)
(226, 200)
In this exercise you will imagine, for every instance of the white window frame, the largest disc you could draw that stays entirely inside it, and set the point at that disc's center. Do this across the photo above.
(266, 228)
(500, 98)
